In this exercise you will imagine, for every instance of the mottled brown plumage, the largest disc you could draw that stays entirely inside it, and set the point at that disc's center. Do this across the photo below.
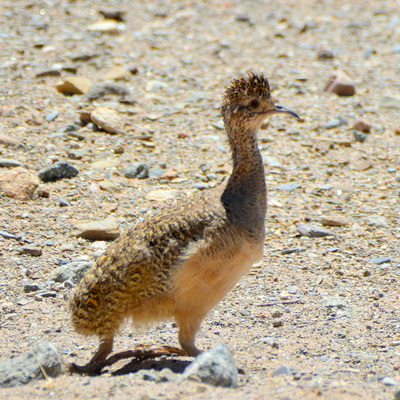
(182, 262)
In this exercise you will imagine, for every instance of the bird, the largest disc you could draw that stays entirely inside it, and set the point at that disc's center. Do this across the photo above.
(178, 264)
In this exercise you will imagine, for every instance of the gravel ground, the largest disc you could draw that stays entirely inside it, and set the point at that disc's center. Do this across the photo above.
(318, 305)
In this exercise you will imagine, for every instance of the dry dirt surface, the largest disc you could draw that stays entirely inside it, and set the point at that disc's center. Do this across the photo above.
(316, 305)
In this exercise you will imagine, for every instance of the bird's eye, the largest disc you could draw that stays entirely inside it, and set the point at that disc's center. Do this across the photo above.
(254, 104)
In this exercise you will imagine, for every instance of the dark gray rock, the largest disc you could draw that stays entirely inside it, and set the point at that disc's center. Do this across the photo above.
(43, 358)
(32, 287)
(137, 170)
(215, 367)
(397, 395)
(72, 272)
(57, 171)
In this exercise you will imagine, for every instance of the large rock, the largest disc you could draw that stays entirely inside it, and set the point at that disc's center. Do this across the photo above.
(106, 229)
(43, 360)
(18, 183)
(215, 367)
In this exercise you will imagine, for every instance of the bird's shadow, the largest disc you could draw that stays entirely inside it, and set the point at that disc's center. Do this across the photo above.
(141, 358)
(175, 365)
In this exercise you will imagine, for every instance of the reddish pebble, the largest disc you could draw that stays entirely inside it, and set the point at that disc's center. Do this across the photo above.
(341, 84)
(362, 126)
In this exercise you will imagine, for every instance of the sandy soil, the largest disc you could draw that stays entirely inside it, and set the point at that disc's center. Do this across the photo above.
(339, 311)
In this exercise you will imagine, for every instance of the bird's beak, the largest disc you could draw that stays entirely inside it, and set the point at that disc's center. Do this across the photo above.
(282, 110)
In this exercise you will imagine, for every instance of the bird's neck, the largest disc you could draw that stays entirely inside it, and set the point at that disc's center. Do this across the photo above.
(245, 194)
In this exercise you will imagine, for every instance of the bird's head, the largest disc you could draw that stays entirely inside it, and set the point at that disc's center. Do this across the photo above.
(247, 102)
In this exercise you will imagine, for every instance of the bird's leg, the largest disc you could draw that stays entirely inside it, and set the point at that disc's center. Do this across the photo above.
(104, 349)
(187, 334)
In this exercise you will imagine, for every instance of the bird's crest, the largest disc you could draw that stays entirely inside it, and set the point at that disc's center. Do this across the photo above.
(254, 85)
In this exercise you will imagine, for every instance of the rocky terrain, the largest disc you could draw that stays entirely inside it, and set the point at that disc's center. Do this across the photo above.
(110, 110)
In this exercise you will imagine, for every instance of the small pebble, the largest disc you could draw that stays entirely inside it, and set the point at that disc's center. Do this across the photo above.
(377, 221)
(52, 116)
(390, 101)
(336, 122)
(84, 57)
(332, 249)
(288, 186)
(111, 13)
(333, 220)
(277, 323)
(201, 185)
(362, 126)
(360, 136)
(149, 376)
(166, 375)
(48, 72)
(32, 287)
(31, 250)
(290, 250)
(63, 203)
(7, 235)
(388, 381)
(137, 170)
(276, 314)
(380, 260)
(102, 89)
(313, 231)
(244, 312)
(74, 85)
(48, 293)
(9, 163)
(325, 55)
(341, 84)
(284, 370)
